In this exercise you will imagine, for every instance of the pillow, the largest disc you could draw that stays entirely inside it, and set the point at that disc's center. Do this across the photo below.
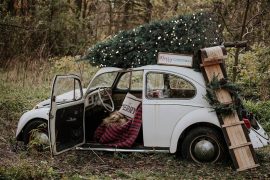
(130, 105)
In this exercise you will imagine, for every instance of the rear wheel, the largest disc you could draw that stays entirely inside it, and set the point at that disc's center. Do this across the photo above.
(36, 134)
(203, 145)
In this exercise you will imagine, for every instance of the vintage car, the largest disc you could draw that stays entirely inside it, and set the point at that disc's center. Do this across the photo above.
(176, 117)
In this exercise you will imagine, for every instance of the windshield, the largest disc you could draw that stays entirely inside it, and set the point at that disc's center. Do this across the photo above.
(103, 80)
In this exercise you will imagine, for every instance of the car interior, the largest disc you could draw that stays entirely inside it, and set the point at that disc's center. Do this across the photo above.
(94, 115)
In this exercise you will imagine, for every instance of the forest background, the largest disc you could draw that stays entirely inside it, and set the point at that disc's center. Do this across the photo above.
(41, 38)
(36, 31)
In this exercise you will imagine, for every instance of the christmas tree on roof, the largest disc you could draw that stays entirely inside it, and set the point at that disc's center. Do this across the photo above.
(185, 34)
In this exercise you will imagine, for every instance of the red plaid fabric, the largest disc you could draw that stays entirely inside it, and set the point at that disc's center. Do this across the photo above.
(120, 136)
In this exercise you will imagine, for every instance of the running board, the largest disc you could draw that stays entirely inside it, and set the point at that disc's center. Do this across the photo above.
(152, 150)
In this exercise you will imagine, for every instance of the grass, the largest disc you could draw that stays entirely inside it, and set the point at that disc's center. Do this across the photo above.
(21, 89)
(86, 165)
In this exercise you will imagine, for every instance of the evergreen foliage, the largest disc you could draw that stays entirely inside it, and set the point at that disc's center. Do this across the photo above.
(140, 46)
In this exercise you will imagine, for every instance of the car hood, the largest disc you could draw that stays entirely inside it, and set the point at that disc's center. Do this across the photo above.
(60, 98)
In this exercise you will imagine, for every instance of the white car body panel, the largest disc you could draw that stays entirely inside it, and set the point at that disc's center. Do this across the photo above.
(202, 115)
(42, 113)
(163, 120)
(164, 114)
(160, 121)
(259, 138)
(52, 129)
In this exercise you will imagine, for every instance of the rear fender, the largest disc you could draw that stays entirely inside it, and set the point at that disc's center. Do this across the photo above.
(202, 115)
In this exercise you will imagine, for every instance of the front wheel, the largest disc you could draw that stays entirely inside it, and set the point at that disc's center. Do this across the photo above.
(203, 145)
(36, 134)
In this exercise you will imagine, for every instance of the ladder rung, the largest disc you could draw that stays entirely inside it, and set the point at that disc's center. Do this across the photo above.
(227, 103)
(211, 62)
(240, 145)
(248, 167)
(232, 124)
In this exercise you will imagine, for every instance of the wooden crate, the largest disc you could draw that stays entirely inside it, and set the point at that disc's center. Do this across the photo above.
(234, 130)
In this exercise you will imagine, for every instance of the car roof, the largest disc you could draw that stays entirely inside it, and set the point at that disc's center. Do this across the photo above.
(185, 71)
(108, 69)
(148, 67)
(175, 69)
(165, 67)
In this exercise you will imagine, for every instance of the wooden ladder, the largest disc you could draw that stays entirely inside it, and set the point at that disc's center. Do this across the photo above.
(234, 130)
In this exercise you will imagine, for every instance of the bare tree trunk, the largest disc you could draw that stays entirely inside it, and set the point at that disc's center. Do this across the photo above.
(32, 7)
(110, 18)
(148, 13)
(125, 15)
(83, 6)
(237, 52)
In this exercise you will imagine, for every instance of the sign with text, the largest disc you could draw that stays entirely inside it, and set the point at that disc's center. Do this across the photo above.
(175, 59)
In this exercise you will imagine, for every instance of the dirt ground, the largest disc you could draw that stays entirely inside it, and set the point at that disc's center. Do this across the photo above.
(19, 163)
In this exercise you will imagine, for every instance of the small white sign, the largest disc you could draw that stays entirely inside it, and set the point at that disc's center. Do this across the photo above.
(175, 59)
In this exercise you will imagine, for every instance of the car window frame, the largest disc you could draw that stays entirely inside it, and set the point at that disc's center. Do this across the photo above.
(90, 89)
(130, 79)
(80, 88)
(170, 73)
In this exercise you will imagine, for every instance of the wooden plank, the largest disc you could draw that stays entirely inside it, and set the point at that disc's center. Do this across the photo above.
(248, 167)
(213, 53)
(230, 119)
(232, 124)
(212, 71)
(223, 96)
(247, 156)
(244, 158)
(238, 154)
(210, 63)
(236, 133)
(240, 145)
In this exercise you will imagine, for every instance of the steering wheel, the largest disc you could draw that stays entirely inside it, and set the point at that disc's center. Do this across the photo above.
(101, 95)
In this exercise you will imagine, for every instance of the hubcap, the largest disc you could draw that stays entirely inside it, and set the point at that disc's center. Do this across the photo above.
(204, 149)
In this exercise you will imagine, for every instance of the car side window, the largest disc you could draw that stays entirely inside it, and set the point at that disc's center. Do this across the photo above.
(67, 90)
(123, 83)
(163, 85)
(136, 81)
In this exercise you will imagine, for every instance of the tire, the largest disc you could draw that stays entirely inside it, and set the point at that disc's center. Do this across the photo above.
(35, 129)
(203, 145)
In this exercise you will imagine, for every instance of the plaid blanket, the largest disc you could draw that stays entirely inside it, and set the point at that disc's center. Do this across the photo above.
(120, 135)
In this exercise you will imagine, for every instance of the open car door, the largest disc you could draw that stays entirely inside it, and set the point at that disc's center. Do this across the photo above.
(66, 116)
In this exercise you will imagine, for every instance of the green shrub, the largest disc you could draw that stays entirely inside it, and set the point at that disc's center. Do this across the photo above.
(262, 111)
(254, 72)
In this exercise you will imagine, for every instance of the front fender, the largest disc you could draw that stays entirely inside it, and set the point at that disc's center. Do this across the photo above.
(42, 113)
(202, 115)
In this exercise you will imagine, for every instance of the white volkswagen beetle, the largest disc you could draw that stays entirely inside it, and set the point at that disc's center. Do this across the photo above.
(175, 115)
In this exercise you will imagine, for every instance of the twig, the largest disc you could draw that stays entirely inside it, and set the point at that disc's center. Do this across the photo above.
(3, 139)
(236, 44)
(97, 155)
